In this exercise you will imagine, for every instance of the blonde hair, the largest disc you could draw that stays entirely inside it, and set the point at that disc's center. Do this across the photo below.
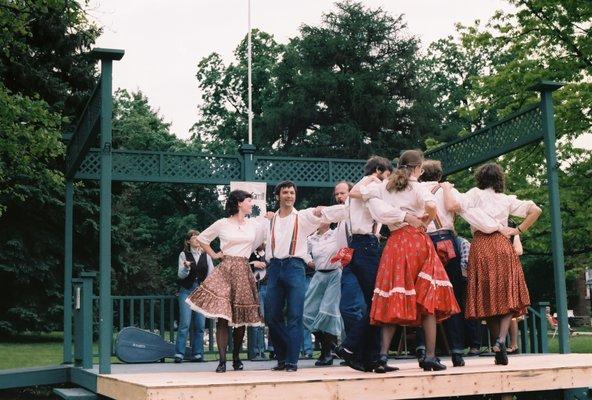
(409, 160)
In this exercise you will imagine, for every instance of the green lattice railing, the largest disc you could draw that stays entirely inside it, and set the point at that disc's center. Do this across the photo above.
(509, 134)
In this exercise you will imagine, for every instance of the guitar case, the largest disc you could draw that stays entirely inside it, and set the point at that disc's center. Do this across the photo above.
(135, 345)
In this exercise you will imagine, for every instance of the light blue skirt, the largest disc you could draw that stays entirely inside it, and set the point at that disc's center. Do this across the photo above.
(321, 304)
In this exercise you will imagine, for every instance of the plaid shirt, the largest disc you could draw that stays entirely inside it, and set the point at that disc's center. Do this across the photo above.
(465, 247)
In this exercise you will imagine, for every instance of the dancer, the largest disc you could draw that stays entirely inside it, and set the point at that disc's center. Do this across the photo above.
(321, 304)
(194, 267)
(496, 288)
(352, 306)
(229, 294)
(441, 231)
(412, 287)
(285, 252)
(361, 347)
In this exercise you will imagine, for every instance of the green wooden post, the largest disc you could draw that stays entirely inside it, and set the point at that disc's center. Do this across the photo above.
(83, 319)
(105, 302)
(68, 238)
(542, 326)
(247, 151)
(546, 88)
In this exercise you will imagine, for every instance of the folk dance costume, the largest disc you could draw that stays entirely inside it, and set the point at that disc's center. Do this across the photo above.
(411, 279)
(285, 252)
(496, 284)
(360, 349)
(322, 299)
(441, 232)
(230, 292)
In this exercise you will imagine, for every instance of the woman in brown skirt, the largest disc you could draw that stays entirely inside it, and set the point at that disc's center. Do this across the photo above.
(229, 294)
(496, 289)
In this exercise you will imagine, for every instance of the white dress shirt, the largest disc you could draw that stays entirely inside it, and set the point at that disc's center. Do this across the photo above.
(283, 229)
(183, 271)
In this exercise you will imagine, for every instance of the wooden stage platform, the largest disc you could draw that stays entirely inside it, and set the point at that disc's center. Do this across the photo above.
(480, 376)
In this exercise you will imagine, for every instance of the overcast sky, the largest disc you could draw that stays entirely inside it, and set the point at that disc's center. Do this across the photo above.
(164, 40)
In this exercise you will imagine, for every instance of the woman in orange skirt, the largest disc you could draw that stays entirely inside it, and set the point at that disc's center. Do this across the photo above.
(496, 288)
(412, 287)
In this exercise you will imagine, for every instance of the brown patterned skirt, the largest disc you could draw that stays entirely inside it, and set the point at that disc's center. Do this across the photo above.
(496, 284)
(229, 292)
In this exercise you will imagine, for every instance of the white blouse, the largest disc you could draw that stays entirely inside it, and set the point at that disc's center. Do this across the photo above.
(236, 240)
(498, 206)
(323, 247)
(387, 207)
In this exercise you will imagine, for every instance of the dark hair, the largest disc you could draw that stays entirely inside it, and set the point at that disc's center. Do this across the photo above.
(490, 175)
(282, 185)
(409, 160)
(377, 163)
(234, 198)
(432, 171)
(188, 235)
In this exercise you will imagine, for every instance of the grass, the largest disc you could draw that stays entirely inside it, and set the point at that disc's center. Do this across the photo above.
(35, 350)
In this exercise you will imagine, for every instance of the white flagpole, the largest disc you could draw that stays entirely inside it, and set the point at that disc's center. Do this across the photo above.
(249, 66)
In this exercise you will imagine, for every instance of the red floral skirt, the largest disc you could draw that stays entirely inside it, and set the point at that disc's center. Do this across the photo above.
(411, 281)
(495, 280)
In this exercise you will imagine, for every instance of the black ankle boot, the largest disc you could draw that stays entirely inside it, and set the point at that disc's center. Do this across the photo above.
(501, 356)
(382, 365)
(237, 365)
(432, 364)
(457, 360)
(221, 366)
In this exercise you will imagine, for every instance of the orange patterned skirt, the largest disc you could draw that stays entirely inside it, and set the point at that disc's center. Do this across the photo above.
(229, 292)
(496, 284)
(411, 281)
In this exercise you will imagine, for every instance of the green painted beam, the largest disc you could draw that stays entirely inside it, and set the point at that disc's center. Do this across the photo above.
(27, 377)
(511, 133)
(68, 239)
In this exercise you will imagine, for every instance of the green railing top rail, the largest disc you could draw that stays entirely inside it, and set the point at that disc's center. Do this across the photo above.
(510, 133)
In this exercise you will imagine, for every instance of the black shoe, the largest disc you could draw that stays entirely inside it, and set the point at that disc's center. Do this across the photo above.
(501, 356)
(272, 355)
(457, 360)
(349, 359)
(324, 360)
(291, 368)
(343, 363)
(221, 366)
(197, 359)
(281, 366)
(178, 360)
(432, 364)
(420, 354)
(382, 365)
(237, 365)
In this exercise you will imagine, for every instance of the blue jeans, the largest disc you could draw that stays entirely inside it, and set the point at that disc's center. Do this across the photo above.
(306, 335)
(286, 286)
(186, 315)
(352, 305)
(363, 338)
(258, 332)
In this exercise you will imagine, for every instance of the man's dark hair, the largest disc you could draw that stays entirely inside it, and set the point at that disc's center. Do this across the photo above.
(282, 185)
(234, 198)
(491, 176)
(432, 171)
(377, 163)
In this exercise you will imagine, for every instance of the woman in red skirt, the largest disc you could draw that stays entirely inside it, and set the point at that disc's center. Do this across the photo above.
(412, 287)
(496, 289)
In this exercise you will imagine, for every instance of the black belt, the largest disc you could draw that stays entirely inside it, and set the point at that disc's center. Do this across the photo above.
(442, 232)
(324, 271)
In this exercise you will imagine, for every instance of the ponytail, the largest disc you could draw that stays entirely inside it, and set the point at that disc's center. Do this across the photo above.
(409, 160)
(399, 180)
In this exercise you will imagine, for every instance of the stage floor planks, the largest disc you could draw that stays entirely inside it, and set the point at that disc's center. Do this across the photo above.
(479, 376)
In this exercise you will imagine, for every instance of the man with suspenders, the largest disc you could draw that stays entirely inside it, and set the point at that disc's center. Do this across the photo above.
(286, 248)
